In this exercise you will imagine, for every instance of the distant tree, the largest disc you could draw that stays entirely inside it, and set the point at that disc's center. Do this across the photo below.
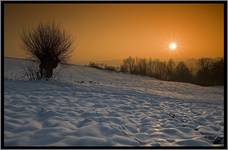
(129, 64)
(149, 67)
(159, 70)
(182, 73)
(211, 71)
(140, 66)
(123, 68)
(218, 72)
(204, 75)
(49, 44)
(170, 69)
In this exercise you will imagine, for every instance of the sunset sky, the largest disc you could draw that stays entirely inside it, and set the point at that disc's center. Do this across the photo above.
(116, 31)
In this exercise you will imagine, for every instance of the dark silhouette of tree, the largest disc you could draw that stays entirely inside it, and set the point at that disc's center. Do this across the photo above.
(129, 64)
(159, 69)
(182, 73)
(204, 73)
(149, 70)
(49, 44)
(208, 72)
(170, 69)
(218, 72)
(211, 72)
(123, 68)
(140, 66)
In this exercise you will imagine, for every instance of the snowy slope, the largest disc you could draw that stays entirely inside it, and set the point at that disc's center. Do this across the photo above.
(86, 106)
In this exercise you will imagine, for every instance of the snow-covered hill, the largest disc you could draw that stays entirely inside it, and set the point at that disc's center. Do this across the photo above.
(86, 106)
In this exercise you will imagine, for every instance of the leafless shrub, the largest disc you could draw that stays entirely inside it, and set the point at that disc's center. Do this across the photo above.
(50, 45)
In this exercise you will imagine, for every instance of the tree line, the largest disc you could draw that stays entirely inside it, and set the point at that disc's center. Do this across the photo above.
(209, 71)
(102, 66)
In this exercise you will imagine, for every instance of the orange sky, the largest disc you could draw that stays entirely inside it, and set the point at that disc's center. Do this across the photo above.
(116, 31)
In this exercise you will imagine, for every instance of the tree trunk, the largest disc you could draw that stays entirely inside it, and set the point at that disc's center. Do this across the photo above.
(41, 70)
(49, 72)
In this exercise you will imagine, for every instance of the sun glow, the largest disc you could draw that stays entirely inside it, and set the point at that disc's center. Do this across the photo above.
(172, 46)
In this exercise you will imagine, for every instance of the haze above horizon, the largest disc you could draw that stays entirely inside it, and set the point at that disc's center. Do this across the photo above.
(116, 31)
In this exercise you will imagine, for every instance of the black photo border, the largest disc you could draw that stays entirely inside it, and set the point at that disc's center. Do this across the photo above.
(3, 3)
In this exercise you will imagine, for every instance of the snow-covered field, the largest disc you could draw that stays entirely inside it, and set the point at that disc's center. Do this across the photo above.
(88, 107)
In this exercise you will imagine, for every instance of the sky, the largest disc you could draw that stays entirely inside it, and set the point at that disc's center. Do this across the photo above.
(108, 32)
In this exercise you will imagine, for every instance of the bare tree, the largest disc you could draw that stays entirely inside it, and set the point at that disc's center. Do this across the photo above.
(170, 69)
(182, 73)
(129, 64)
(49, 44)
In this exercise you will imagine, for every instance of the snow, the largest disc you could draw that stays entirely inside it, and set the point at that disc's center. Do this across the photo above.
(84, 106)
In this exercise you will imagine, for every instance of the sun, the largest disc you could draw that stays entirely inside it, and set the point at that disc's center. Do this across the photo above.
(172, 46)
